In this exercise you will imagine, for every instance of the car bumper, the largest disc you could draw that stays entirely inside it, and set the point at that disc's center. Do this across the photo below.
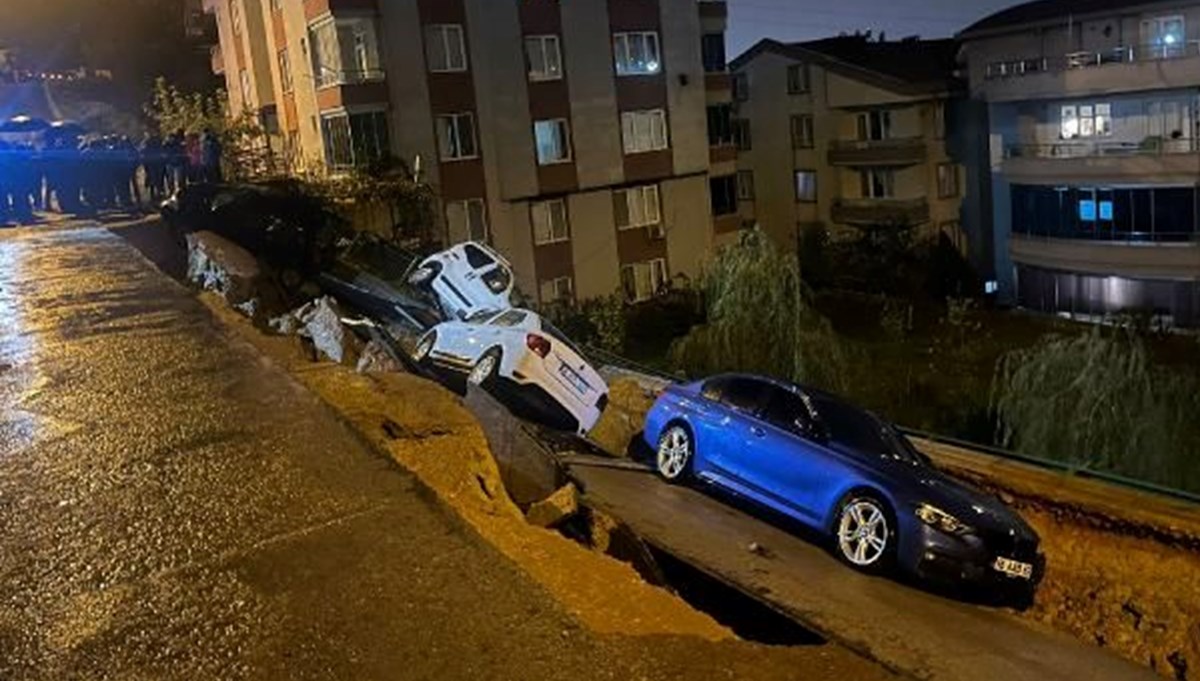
(939, 557)
(530, 374)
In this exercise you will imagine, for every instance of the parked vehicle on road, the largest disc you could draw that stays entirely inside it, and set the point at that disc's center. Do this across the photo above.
(518, 347)
(369, 274)
(467, 279)
(843, 471)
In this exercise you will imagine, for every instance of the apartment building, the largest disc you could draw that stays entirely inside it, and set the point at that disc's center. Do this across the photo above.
(1093, 108)
(572, 136)
(849, 133)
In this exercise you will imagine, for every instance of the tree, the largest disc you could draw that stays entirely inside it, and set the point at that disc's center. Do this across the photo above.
(760, 319)
(1096, 401)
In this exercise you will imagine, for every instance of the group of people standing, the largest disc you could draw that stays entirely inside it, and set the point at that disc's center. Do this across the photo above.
(83, 175)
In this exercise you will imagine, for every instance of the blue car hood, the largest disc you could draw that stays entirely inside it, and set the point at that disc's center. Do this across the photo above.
(971, 506)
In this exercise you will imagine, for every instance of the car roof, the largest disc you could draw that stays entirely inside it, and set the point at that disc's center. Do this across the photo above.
(794, 387)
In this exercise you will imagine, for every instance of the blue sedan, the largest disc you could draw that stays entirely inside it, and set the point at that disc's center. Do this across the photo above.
(842, 471)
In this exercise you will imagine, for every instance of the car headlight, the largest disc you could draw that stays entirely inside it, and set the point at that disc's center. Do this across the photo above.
(939, 519)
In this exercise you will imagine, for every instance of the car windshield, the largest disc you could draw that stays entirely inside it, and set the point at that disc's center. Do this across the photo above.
(510, 318)
(380, 259)
(859, 430)
(481, 317)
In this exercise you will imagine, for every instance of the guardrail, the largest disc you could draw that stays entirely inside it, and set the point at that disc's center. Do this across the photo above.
(1151, 146)
(1128, 54)
(603, 357)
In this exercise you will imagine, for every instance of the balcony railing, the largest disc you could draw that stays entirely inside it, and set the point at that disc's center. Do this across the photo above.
(896, 151)
(328, 77)
(1067, 149)
(881, 212)
(1088, 59)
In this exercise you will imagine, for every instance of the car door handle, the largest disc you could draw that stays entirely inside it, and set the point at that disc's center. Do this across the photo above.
(758, 432)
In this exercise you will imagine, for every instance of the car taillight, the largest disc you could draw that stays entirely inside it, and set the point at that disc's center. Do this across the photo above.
(538, 344)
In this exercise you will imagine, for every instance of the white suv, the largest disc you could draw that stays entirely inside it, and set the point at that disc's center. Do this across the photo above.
(522, 349)
(467, 279)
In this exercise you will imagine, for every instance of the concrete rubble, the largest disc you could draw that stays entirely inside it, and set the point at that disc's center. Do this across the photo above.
(376, 358)
(221, 266)
(555, 508)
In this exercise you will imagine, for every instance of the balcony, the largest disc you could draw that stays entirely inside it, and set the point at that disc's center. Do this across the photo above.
(881, 212)
(328, 77)
(1153, 160)
(889, 152)
(1118, 69)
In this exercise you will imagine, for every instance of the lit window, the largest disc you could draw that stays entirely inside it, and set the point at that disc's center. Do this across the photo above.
(544, 57)
(1087, 210)
(444, 48)
(644, 131)
(1086, 120)
(553, 140)
(636, 53)
(549, 222)
(806, 185)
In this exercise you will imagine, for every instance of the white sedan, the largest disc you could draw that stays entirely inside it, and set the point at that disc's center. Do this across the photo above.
(519, 347)
(467, 279)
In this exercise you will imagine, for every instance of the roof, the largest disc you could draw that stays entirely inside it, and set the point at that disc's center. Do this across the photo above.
(909, 66)
(1041, 11)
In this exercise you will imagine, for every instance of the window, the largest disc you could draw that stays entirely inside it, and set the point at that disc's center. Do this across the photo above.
(741, 134)
(1163, 37)
(712, 52)
(947, 180)
(549, 222)
(806, 185)
(557, 289)
(745, 185)
(641, 281)
(878, 183)
(1085, 120)
(344, 51)
(468, 220)
(456, 136)
(939, 120)
(285, 71)
(723, 191)
(544, 57)
(636, 53)
(720, 125)
(637, 207)
(741, 87)
(444, 48)
(510, 318)
(786, 411)
(802, 131)
(235, 16)
(355, 139)
(797, 79)
(740, 393)
(553, 141)
(247, 89)
(644, 131)
(875, 125)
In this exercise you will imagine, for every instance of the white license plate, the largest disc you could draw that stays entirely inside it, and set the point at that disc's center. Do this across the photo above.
(1014, 568)
(573, 378)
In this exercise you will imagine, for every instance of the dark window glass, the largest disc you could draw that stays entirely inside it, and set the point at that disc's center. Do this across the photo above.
(742, 393)
(1143, 218)
(712, 50)
(786, 410)
(1122, 222)
(724, 194)
(720, 125)
(476, 257)
(1174, 213)
(1049, 211)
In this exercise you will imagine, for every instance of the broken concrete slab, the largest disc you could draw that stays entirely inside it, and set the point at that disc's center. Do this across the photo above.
(556, 508)
(322, 324)
(216, 264)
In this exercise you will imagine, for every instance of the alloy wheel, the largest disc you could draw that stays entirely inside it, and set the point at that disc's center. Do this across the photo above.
(674, 453)
(863, 532)
(483, 369)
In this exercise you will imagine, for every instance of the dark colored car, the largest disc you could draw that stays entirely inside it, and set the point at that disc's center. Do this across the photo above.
(844, 472)
(371, 275)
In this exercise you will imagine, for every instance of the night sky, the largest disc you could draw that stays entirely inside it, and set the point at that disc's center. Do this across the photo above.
(792, 20)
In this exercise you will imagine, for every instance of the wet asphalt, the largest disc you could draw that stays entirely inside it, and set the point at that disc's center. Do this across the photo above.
(171, 507)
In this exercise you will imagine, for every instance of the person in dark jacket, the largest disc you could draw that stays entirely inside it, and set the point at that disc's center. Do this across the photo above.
(210, 152)
(176, 160)
(154, 167)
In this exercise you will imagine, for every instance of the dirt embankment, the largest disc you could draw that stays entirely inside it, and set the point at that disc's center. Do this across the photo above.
(1123, 568)
(427, 430)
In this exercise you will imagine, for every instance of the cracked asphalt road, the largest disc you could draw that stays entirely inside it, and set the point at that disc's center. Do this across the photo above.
(173, 506)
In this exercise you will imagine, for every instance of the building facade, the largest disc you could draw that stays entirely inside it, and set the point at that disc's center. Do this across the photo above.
(1094, 115)
(572, 136)
(849, 133)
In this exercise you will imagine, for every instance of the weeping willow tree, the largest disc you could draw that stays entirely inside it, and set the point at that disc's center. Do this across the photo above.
(1097, 401)
(760, 319)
